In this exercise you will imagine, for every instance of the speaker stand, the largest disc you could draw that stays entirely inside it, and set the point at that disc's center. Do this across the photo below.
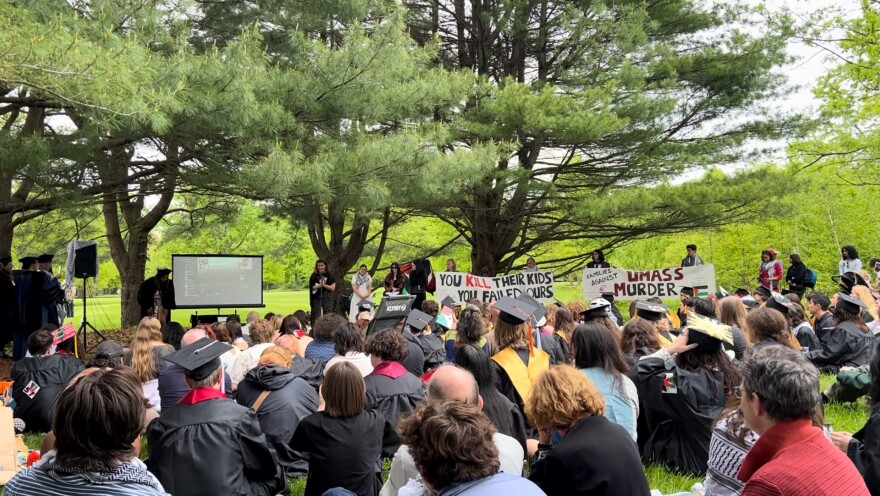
(85, 325)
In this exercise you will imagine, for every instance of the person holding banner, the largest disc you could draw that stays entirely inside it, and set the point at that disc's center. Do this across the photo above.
(518, 364)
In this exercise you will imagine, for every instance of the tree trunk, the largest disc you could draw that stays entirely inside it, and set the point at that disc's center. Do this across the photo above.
(132, 277)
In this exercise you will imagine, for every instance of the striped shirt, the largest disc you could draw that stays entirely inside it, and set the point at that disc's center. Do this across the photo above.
(726, 455)
(128, 479)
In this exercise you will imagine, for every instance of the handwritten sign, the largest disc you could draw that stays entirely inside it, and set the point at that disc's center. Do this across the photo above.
(462, 287)
(642, 284)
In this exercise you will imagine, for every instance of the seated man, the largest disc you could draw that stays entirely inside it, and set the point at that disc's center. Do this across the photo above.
(779, 393)
(208, 444)
(172, 383)
(451, 444)
(452, 383)
(99, 424)
(39, 380)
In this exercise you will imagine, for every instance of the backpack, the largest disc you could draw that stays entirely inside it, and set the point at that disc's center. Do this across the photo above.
(810, 278)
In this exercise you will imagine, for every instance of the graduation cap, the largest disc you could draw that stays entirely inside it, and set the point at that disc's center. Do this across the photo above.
(608, 295)
(538, 317)
(651, 311)
(63, 333)
(721, 293)
(749, 302)
(200, 359)
(5, 260)
(778, 302)
(742, 292)
(27, 261)
(45, 258)
(849, 304)
(448, 302)
(763, 291)
(418, 320)
(163, 271)
(848, 280)
(597, 308)
(513, 311)
(687, 290)
(707, 333)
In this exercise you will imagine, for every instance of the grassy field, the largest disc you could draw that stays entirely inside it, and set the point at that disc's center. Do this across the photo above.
(104, 311)
(846, 418)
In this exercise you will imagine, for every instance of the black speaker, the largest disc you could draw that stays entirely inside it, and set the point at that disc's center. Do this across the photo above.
(390, 312)
(85, 261)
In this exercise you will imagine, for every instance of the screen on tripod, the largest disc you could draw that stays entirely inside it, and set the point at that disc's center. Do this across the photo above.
(215, 281)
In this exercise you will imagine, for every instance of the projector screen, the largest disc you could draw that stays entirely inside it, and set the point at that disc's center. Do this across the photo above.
(215, 281)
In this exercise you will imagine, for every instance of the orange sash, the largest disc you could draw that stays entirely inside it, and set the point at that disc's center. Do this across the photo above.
(520, 375)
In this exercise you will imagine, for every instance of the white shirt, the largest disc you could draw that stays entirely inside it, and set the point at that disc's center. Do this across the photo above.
(247, 360)
(356, 358)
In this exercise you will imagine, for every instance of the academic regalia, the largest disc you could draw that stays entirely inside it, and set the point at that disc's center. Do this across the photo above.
(8, 312)
(394, 392)
(53, 295)
(847, 346)
(32, 307)
(147, 291)
(680, 405)
(208, 444)
(38, 382)
(864, 451)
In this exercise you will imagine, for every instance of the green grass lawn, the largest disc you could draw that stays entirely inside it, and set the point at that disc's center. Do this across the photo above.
(104, 311)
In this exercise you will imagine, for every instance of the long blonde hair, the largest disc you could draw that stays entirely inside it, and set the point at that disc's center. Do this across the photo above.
(142, 362)
(864, 295)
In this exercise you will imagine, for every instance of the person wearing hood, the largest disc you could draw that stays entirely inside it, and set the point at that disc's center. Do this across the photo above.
(281, 400)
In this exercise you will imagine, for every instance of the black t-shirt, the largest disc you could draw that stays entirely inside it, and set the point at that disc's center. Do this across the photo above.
(315, 279)
(344, 452)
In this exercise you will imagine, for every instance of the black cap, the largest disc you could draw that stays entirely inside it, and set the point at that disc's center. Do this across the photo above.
(110, 347)
(418, 320)
(366, 306)
(763, 291)
(687, 290)
(651, 311)
(742, 292)
(5, 260)
(708, 333)
(539, 313)
(749, 302)
(779, 302)
(721, 293)
(26, 261)
(849, 304)
(200, 359)
(45, 258)
(513, 311)
(448, 302)
(608, 295)
(163, 271)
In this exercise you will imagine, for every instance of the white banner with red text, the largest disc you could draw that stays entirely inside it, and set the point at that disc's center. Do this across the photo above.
(462, 287)
(665, 283)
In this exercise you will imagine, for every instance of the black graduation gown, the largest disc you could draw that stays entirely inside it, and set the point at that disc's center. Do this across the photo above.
(679, 420)
(29, 301)
(823, 327)
(213, 447)
(147, 290)
(642, 429)
(393, 398)
(595, 458)
(50, 374)
(864, 451)
(807, 339)
(846, 346)
(53, 296)
(8, 314)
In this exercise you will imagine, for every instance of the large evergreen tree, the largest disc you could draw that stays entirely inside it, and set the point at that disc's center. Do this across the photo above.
(599, 98)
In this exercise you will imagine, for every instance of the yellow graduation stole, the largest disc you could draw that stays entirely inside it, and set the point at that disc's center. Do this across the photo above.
(520, 375)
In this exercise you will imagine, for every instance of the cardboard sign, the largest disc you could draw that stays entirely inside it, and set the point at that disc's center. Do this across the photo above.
(9, 447)
(462, 287)
(643, 284)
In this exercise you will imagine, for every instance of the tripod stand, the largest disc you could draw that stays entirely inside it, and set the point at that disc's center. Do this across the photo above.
(84, 325)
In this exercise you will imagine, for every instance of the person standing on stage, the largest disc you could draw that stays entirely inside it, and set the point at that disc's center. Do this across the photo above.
(7, 303)
(692, 259)
(156, 296)
(53, 295)
(322, 285)
(362, 291)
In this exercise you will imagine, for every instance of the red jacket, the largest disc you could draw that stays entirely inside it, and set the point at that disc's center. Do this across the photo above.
(795, 458)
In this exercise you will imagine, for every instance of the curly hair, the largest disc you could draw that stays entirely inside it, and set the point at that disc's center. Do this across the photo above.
(326, 325)
(387, 344)
(638, 333)
(561, 396)
(511, 335)
(276, 355)
(470, 327)
(575, 307)
(767, 323)
(430, 307)
(450, 443)
(261, 332)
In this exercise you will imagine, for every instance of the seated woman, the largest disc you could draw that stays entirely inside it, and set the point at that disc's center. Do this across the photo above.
(850, 343)
(505, 416)
(262, 335)
(343, 440)
(598, 356)
(517, 364)
(228, 359)
(683, 389)
(390, 388)
(562, 331)
(146, 357)
(98, 424)
(638, 339)
(468, 331)
(801, 328)
(656, 315)
(767, 327)
(595, 457)
(281, 400)
(733, 312)
(172, 333)
(350, 348)
(239, 340)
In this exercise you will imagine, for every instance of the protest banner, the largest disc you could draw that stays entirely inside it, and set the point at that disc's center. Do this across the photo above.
(462, 287)
(642, 284)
